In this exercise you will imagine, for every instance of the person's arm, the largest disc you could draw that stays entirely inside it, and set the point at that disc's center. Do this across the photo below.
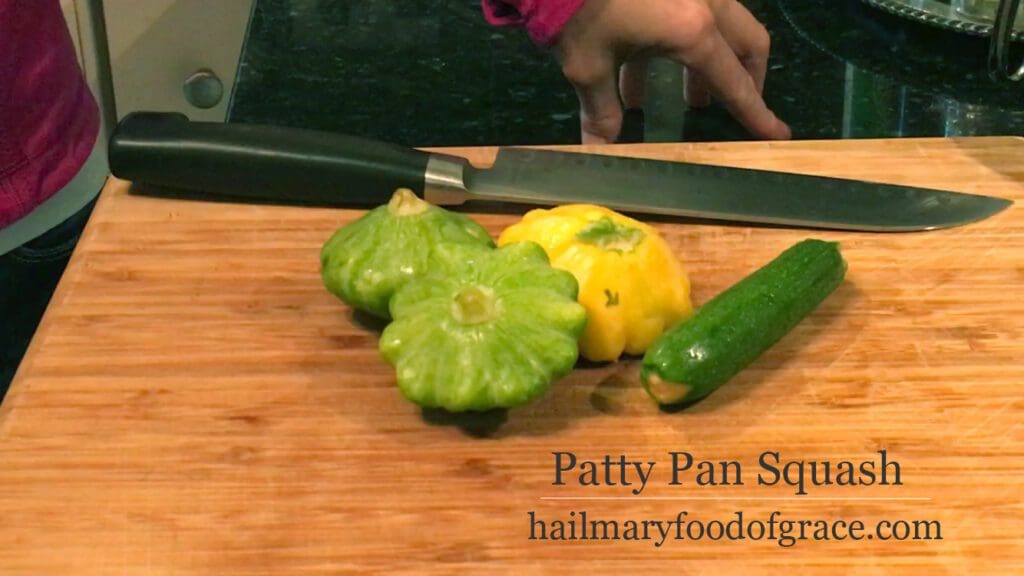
(48, 118)
(603, 46)
(543, 19)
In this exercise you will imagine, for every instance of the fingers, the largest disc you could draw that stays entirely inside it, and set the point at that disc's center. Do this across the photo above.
(705, 52)
(597, 88)
(723, 47)
(747, 37)
(633, 83)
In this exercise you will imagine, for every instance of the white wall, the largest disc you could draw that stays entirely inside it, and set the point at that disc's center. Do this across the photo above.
(136, 54)
(68, 6)
(155, 45)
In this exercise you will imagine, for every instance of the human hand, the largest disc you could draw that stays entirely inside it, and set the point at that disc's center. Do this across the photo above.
(604, 49)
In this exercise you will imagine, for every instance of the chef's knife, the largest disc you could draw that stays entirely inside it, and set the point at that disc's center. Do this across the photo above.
(287, 164)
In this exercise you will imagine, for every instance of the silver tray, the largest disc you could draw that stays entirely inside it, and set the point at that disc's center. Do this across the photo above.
(941, 14)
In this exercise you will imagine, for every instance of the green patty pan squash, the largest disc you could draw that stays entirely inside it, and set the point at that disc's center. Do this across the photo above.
(364, 262)
(486, 329)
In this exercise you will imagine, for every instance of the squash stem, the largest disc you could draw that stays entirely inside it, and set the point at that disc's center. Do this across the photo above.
(473, 305)
(405, 202)
(611, 236)
(666, 392)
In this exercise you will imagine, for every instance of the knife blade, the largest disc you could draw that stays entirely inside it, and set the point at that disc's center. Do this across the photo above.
(286, 164)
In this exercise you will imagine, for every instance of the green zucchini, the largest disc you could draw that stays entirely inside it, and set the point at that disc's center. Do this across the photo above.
(695, 357)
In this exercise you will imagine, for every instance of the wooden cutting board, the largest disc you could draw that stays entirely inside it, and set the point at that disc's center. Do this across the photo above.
(196, 403)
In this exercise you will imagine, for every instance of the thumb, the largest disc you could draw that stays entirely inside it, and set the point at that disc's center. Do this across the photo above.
(600, 109)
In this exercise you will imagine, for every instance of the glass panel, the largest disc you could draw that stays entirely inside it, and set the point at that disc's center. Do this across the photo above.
(423, 73)
(433, 73)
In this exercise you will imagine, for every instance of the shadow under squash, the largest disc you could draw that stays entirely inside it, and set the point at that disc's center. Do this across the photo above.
(476, 424)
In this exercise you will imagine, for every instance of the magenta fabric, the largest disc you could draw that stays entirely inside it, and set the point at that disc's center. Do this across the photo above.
(48, 118)
(543, 19)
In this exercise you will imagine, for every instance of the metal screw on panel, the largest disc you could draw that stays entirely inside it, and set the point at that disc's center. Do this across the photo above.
(203, 89)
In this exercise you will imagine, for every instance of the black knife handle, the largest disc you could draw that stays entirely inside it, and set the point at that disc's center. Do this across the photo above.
(261, 162)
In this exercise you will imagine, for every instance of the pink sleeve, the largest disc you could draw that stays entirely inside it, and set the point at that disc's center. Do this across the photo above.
(48, 118)
(543, 19)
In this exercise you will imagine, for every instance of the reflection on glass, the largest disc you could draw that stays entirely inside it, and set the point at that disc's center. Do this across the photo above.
(983, 10)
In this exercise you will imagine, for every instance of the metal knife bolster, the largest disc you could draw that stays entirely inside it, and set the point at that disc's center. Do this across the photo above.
(444, 180)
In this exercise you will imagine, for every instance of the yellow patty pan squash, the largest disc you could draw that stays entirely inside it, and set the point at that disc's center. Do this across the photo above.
(631, 284)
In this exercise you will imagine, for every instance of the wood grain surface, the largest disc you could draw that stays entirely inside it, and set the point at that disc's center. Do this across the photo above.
(195, 402)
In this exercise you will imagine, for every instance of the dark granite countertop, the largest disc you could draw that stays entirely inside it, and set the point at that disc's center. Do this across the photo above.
(433, 73)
